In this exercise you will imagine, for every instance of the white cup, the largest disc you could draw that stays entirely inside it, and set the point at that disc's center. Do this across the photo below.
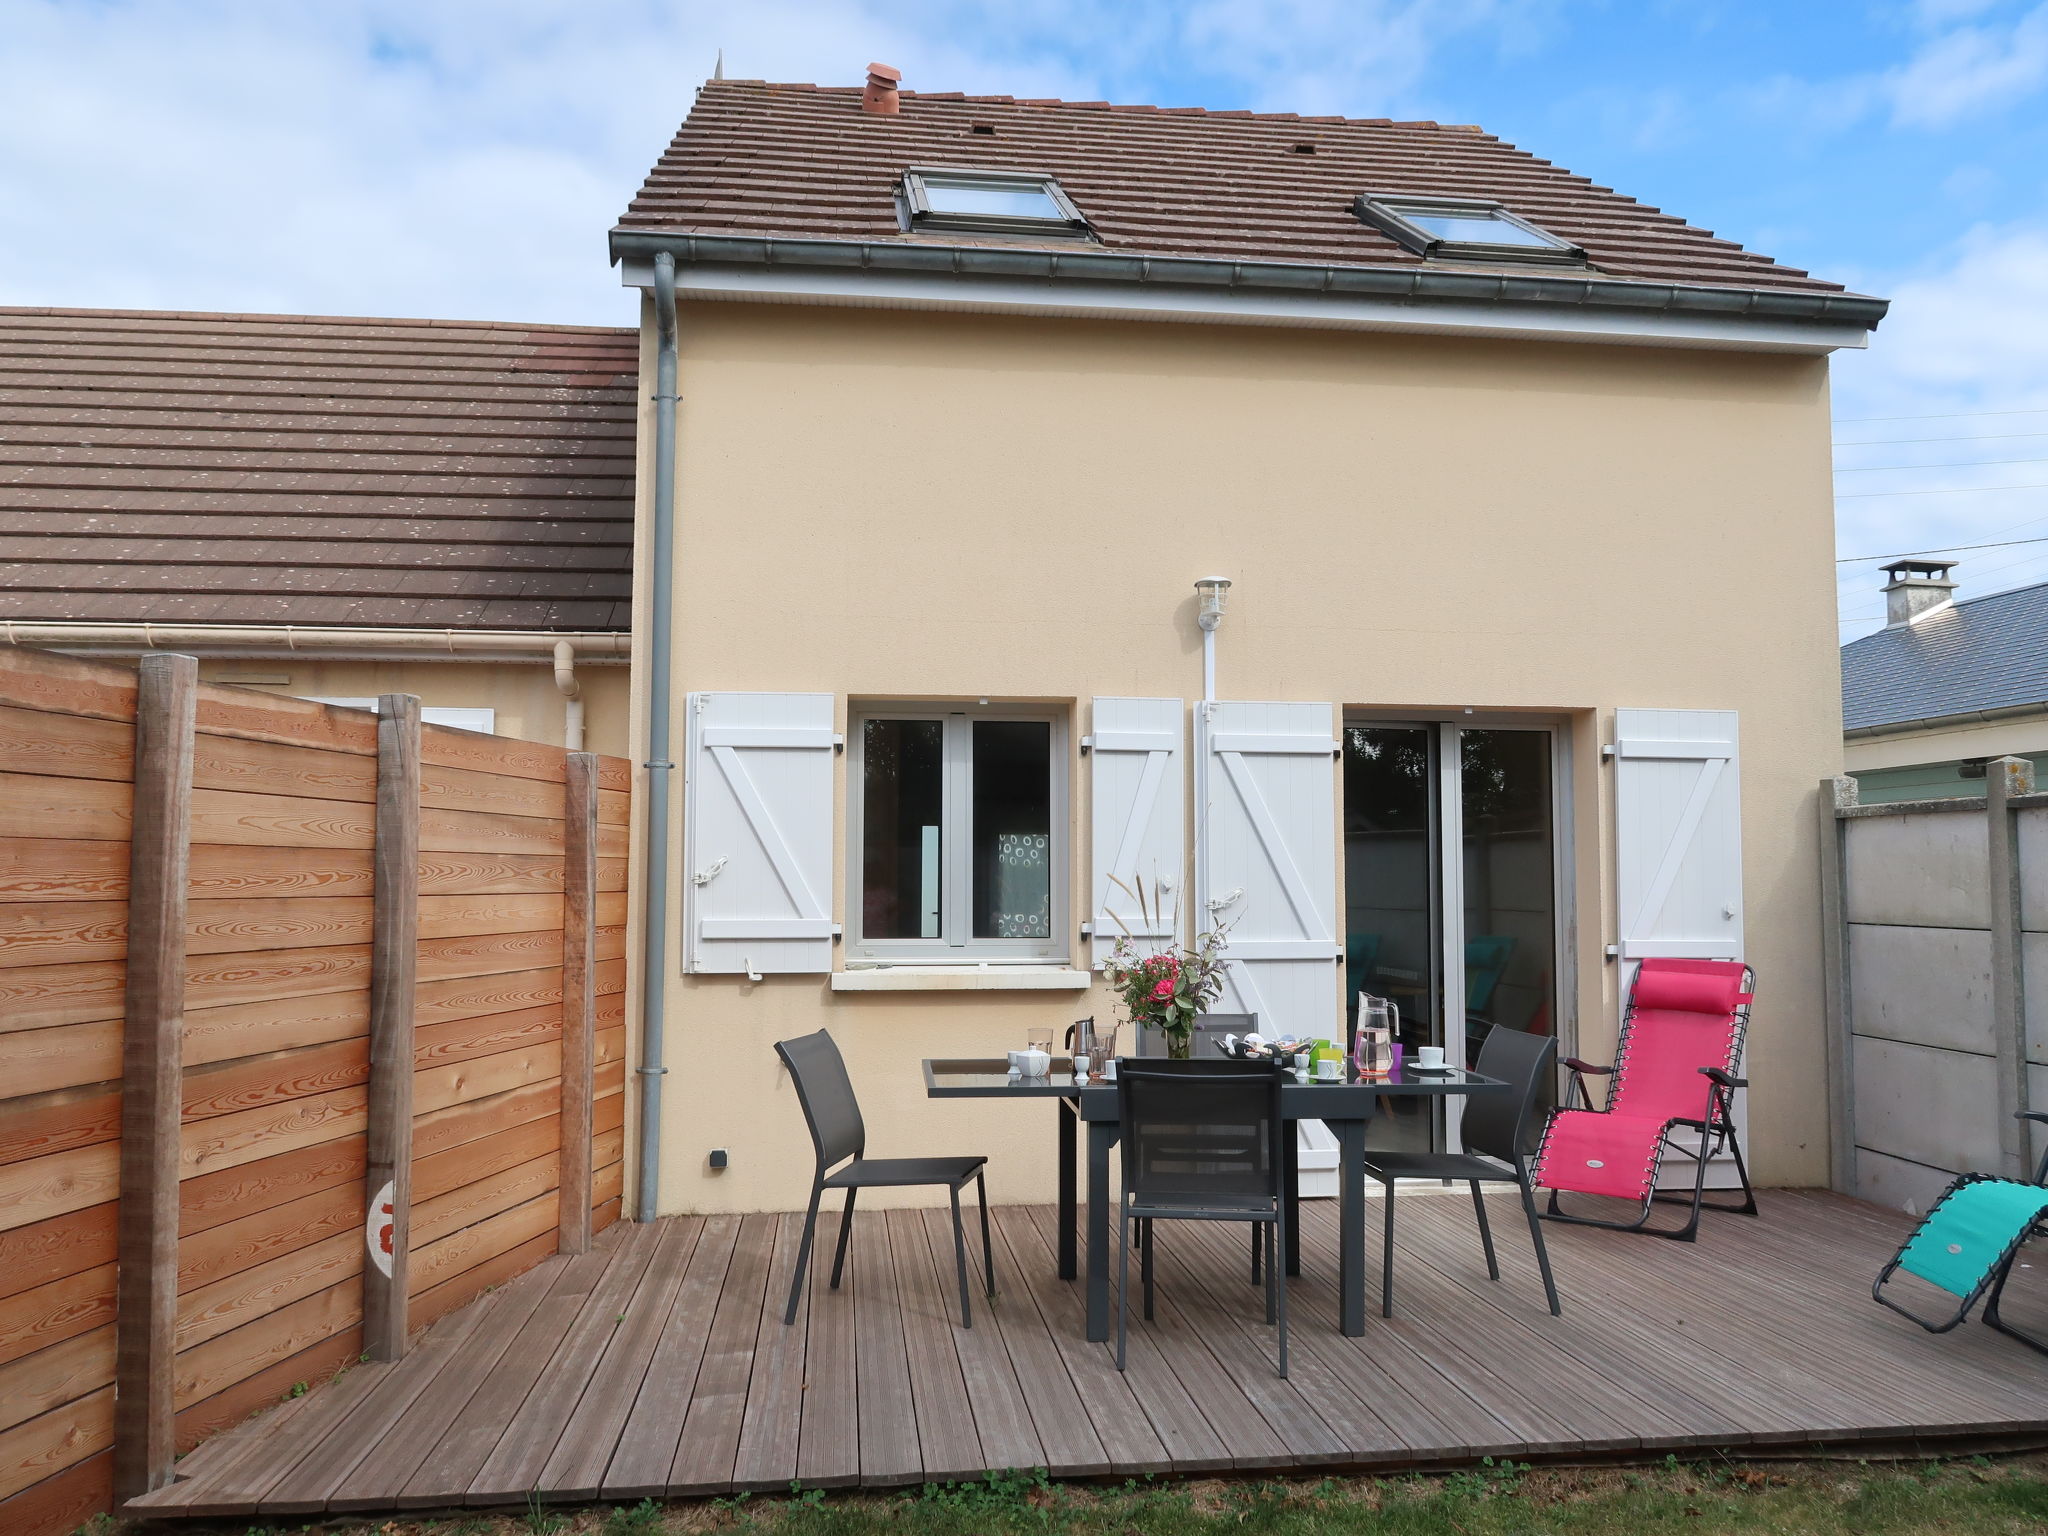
(1109, 1070)
(1326, 1070)
(1429, 1057)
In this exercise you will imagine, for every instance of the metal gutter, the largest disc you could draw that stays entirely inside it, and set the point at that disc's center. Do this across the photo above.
(266, 640)
(660, 624)
(1930, 723)
(1399, 284)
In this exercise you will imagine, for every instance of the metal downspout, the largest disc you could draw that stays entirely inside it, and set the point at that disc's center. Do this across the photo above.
(661, 598)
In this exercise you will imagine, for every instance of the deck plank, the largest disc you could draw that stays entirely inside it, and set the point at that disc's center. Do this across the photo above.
(443, 1475)
(1002, 1418)
(658, 1364)
(1259, 1417)
(1067, 1440)
(647, 1445)
(771, 1429)
(828, 1447)
(945, 1418)
(890, 1454)
(710, 1442)
(391, 1459)
(1168, 1428)
(512, 1470)
(576, 1469)
(1362, 1434)
(304, 1487)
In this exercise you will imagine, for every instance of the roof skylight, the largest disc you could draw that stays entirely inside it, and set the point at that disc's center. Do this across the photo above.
(990, 202)
(1472, 229)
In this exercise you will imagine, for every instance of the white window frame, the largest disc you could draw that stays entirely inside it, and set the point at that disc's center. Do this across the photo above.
(917, 202)
(460, 717)
(956, 945)
(1386, 212)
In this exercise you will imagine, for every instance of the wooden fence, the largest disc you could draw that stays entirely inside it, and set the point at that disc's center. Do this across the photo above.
(260, 959)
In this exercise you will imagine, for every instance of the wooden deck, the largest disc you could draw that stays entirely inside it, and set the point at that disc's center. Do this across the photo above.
(658, 1364)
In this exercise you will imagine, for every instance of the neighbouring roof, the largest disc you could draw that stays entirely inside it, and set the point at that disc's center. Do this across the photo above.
(274, 469)
(805, 162)
(1986, 653)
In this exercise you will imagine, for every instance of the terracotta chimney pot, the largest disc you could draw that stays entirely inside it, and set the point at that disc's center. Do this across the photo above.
(880, 95)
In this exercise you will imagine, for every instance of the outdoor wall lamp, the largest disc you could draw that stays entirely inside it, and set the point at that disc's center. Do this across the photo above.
(1210, 592)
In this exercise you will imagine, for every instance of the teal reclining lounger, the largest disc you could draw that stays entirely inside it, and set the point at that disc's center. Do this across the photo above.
(1967, 1243)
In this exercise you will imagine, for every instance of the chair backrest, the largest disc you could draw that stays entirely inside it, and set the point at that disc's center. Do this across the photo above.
(1682, 1015)
(826, 1093)
(1210, 1028)
(1504, 1125)
(1202, 1128)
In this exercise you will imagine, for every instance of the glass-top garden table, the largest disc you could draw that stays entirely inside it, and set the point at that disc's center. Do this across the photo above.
(1345, 1106)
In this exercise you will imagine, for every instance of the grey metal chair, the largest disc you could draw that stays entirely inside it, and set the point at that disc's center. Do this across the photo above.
(1499, 1125)
(1202, 1141)
(838, 1133)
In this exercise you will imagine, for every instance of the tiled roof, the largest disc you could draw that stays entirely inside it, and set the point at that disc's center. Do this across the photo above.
(1987, 653)
(800, 161)
(293, 469)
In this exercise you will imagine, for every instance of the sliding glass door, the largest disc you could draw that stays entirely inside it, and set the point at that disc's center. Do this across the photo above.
(1450, 884)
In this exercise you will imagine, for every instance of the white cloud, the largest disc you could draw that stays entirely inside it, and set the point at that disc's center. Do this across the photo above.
(1970, 70)
(464, 158)
(1956, 380)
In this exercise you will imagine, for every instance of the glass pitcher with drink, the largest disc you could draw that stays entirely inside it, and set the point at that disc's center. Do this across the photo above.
(1373, 1051)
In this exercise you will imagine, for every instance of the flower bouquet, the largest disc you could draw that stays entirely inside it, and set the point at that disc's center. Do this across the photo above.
(1167, 988)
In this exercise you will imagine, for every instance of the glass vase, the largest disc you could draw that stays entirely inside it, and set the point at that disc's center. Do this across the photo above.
(1180, 1044)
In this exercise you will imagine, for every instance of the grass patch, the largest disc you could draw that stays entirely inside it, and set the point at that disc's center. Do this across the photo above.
(1978, 1496)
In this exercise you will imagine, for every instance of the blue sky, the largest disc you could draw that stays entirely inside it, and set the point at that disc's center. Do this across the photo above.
(463, 158)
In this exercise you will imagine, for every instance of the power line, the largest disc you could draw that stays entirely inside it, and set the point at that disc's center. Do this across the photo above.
(1953, 490)
(2039, 410)
(1980, 437)
(1872, 469)
(1943, 549)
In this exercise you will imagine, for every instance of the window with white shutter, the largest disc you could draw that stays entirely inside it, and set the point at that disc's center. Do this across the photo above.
(1677, 834)
(1678, 856)
(1266, 860)
(757, 838)
(1139, 822)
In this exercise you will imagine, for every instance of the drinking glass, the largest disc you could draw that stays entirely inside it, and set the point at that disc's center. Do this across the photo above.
(1039, 1038)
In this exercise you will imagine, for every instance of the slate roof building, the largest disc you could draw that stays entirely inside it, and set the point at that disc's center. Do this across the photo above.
(1945, 686)
(348, 498)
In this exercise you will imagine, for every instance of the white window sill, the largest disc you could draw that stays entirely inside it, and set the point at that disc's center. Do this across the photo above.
(962, 978)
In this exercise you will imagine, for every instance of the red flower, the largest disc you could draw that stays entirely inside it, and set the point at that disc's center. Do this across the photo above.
(1163, 993)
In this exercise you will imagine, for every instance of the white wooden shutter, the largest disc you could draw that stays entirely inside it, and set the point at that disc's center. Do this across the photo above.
(1139, 821)
(1678, 834)
(1266, 860)
(1678, 859)
(757, 838)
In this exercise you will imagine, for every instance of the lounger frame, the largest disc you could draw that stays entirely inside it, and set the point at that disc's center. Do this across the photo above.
(1717, 1132)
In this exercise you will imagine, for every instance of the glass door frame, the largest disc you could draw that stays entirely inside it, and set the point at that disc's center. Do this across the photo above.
(1447, 872)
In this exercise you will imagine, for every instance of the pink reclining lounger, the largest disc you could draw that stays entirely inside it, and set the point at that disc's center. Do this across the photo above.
(1675, 1066)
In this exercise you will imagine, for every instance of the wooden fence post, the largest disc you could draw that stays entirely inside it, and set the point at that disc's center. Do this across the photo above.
(394, 958)
(579, 997)
(152, 1077)
(2004, 778)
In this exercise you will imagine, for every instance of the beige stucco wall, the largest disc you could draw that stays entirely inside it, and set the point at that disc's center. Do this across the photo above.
(1991, 739)
(898, 505)
(527, 702)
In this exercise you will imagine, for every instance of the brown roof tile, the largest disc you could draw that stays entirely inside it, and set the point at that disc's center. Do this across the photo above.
(799, 161)
(294, 469)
